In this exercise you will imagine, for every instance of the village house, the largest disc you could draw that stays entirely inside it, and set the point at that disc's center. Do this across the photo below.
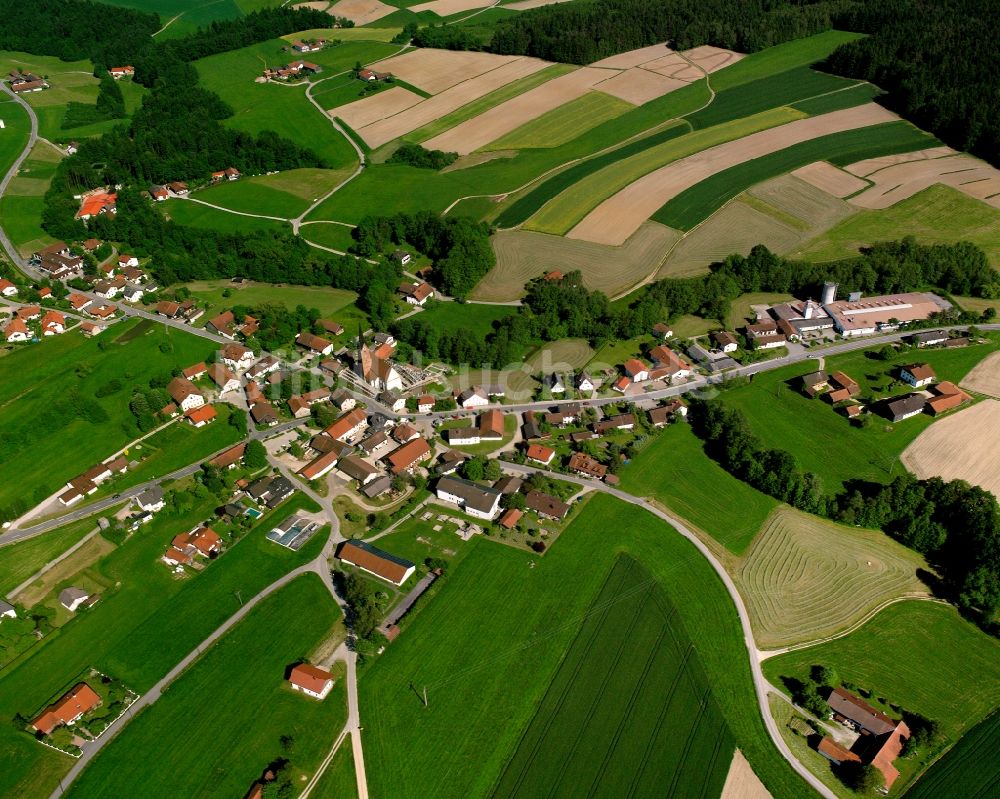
(843, 387)
(584, 382)
(348, 426)
(463, 436)
(79, 700)
(765, 335)
(881, 738)
(662, 415)
(546, 506)
(374, 443)
(917, 375)
(581, 463)
(343, 400)
(73, 598)
(540, 454)
(473, 397)
(195, 372)
(553, 383)
(928, 338)
(409, 456)
(88, 482)
(7, 289)
(151, 499)
(371, 76)
(28, 313)
(97, 203)
(271, 490)
(53, 323)
(416, 293)
(636, 371)
(622, 421)
(403, 433)
(331, 327)
(479, 501)
(224, 379)
(7, 611)
(230, 458)
(201, 416)
(263, 413)
(16, 332)
(122, 72)
(375, 561)
(947, 396)
(313, 343)
(905, 407)
(263, 367)
(159, 193)
(185, 394)
(308, 45)
(310, 680)
(178, 187)
(225, 325)
(320, 465)
(662, 331)
(725, 341)
(237, 357)
(510, 518)
(356, 469)
(425, 403)
(815, 383)
(199, 541)
(668, 364)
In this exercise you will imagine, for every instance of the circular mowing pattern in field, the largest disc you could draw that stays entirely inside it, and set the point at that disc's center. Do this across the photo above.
(806, 578)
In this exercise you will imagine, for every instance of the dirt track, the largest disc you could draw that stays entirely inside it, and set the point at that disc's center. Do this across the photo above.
(963, 446)
(618, 217)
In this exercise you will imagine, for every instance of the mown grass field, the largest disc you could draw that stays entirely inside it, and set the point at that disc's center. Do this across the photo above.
(35, 376)
(477, 320)
(235, 740)
(23, 202)
(921, 656)
(21, 560)
(805, 578)
(140, 629)
(697, 203)
(330, 302)
(340, 780)
(970, 769)
(564, 123)
(488, 101)
(185, 212)
(938, 214)
(336, 237)
(836, 101)
(487, 680)
(564, 211)
(15, 132)
(286, 194)
(825, 442)
(629, 709)
(674, 471)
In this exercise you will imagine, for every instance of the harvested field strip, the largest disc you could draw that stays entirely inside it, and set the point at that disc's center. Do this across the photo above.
(696, 203)
(985, 376)
(800, 202)
(436, 70)
(663, 720)
(859, 94)
(572, 205)
(639, 86)
(447, 101)
(784, 88)
(898, 182)
(361, 12)
(371, 109)
(961, 446)
(486, 102)
(502, 119)
(524, 207)
(445, 8)
(806, 578)
(830, 179)
(966, 769)
(523, 255)
(741, 782)
(564, 123)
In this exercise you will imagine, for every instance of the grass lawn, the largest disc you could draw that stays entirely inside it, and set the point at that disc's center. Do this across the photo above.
(286, 194)
(224, 716)
(487, 447)
(486, 681)
(469, 317)
(346, 34)
(674, 471)
(967, 770)
(193, 13)
(739, 309)
(416, 539)
(340, 780)
(330, 302)
(563, 123)
(697, 203)
(824, 441)
(20, 561)
(800, 586)
(330, 234)
(23, 202)
(145, 623)
(184, 212)
(36, 389)
(488, 101)
(938, 214)
(564, 211)
(629, 705)
(954, 680)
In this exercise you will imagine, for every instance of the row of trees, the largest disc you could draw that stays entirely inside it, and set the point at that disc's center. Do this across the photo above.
(458, 246)
(415, 155)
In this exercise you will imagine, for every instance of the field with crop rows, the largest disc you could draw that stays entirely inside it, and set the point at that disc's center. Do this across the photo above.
(629, 711)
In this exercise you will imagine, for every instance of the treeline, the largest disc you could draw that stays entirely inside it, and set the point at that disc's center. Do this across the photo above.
(589, 30)
(553, 310)
(415, 155)
(458, 246)
(956, 526)
(937, 61)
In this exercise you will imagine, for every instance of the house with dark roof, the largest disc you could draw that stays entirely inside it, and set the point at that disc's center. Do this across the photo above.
(546, 506)
(271, 490)
(483, 502)
(905, 407)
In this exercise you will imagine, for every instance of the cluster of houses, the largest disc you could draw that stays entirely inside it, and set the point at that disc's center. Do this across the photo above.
(370, 76)
(933, 397)
(880, 739)
(161, 192)
(85, 484)
(665, 365)
(228, 174)
(308, 45)
(120, 278)
(29, 321)
(57, 262)
(290, 71)
(97, 202)
(199, 542)
(122, 72)
(24, 82)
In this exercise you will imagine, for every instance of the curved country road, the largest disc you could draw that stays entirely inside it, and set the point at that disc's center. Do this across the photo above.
(761, 686)
(32, 138)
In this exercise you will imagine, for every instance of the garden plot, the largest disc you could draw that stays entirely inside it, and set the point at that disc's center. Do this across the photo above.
(828, 178)
(372, 109)
(962, 446)
(436, 70)
(451, 99)
(618, 217)
(523, 255)
(361, 12)
(897, 182)
(506, 117)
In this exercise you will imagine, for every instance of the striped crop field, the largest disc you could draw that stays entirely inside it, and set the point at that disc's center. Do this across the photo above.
(806, 578)
(629, 712)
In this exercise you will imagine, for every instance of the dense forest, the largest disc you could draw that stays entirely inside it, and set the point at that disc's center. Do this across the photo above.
(955, 525)
(558, 309)
(935, 58)
(458, 246)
